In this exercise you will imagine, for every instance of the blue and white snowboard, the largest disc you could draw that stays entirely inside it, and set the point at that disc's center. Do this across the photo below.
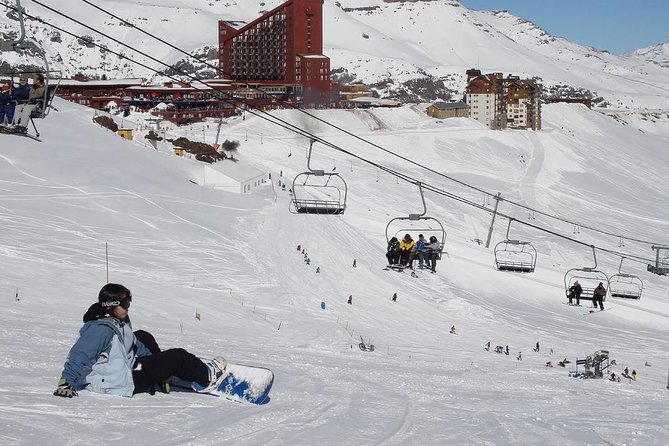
(243, 383)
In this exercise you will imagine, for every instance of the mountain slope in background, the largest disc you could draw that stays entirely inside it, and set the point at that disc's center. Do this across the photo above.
(658, 54)
(416, 51)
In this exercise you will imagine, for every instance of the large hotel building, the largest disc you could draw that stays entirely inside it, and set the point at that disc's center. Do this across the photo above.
(280, 53)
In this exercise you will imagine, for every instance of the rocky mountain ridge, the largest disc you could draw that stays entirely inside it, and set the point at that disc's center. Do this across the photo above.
(409, 50)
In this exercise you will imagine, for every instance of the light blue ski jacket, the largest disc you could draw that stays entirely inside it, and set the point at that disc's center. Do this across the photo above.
(103, 357)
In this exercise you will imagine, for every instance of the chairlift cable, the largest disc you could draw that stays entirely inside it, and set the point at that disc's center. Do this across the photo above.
(278, 97)
(331, 124)
(302, 132)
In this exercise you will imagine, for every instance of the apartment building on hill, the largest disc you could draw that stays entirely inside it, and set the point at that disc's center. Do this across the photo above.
(279, 52)
(499, 102)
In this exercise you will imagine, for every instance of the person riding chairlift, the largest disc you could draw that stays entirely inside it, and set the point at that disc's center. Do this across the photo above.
(24, 110)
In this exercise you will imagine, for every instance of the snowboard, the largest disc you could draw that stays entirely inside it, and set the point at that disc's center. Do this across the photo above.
(243, 383)
(398, 268)
(597, 310)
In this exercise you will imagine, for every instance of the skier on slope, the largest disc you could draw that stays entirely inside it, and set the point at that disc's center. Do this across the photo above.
(108, 358)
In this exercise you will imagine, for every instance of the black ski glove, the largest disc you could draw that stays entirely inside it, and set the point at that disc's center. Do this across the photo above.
(65, 389)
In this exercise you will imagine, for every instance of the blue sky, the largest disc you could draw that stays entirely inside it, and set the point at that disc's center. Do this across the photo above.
(619, 26)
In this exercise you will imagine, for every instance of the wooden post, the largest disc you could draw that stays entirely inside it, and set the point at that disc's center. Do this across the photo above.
(107, 260)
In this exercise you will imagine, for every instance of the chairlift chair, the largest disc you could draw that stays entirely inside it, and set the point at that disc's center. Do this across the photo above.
(515, 255)
(588, 278)
(317, 191)
(49, 90)
(625, 286)
(424, 225)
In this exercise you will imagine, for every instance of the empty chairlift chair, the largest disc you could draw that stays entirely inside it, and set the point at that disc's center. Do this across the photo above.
(625, 286)
(318, 192)
(588, 277)
(417, 224)
(515, 255)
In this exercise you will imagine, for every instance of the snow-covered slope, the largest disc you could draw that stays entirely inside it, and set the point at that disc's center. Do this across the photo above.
(422, 48)
(182, 248)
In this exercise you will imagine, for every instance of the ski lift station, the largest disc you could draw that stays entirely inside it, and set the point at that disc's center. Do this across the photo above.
(231, 176)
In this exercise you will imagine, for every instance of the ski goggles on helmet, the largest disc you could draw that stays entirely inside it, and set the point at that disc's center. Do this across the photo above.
(123, 303)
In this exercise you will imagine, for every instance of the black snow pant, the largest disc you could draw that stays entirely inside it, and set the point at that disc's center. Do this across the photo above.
(152, 370)
(432, 261)
(148, 340)
(598, 300)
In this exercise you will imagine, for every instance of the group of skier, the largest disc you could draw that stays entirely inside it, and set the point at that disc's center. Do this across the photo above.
(17, 103)
(404, 252)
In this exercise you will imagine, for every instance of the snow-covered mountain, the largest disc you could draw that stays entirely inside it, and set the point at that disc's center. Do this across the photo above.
(658, 54)
(412, 50)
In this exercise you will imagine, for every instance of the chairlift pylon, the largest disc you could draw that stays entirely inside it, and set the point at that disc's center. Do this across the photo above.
(317, 191)
(588, 277)
(428, 225)
(625, 286)
(515, 255)
(661, 266)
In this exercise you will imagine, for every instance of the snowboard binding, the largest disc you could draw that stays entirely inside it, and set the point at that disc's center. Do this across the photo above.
(365, 347)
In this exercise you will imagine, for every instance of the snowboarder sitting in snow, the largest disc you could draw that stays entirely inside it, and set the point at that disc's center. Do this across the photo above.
(574, 292)
(108, 358)
(97, 311)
